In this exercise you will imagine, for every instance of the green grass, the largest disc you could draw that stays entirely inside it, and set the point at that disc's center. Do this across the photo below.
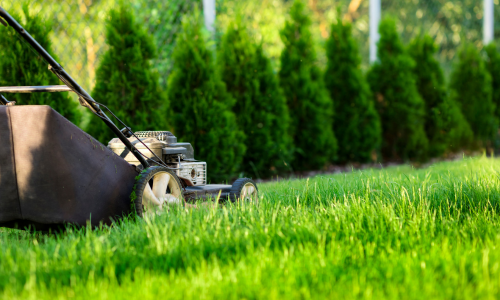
(397, 233)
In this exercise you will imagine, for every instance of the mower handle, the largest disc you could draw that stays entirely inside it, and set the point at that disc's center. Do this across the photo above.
(4, 101)
(34, 89)
(57, 69)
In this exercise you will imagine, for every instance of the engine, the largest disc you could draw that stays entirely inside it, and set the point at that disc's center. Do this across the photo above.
(164, 144)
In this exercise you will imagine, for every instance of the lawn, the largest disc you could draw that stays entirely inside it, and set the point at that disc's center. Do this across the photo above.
(395, 233)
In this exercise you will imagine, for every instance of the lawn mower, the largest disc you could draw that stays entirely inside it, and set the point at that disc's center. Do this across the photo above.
(52, 173)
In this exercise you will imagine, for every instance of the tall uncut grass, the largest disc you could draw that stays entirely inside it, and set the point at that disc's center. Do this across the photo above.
(395, 233)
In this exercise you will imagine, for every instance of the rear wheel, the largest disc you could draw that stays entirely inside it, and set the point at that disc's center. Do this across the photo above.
(244, 189)
(157, 186)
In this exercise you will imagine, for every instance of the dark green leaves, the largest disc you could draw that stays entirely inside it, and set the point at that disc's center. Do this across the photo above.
(126, 81)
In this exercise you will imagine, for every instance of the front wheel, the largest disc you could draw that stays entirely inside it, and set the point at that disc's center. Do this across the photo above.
(244, 189)
(156, 187)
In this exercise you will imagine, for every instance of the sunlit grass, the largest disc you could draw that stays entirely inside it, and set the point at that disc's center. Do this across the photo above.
(394, 233)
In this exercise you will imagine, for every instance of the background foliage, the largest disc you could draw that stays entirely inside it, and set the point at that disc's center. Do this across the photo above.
(300, 55)
(357, 123)
(260, 106)
(126, 81)
(473, 90)
(311, 108)
(445, 125)
(19, 66)
(79, 25)
(202, 107)
(493, 66)
(401, 108)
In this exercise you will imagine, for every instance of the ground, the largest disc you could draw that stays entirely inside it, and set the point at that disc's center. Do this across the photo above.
(395, 233)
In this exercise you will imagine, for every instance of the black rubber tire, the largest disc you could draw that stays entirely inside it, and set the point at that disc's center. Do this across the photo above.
(238, 186)
(144, 179)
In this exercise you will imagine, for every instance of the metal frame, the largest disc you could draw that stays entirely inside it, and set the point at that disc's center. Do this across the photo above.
(34, 89)
(71, 84)
(4, 101)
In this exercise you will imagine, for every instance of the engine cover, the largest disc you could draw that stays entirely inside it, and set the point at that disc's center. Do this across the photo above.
(164, 144)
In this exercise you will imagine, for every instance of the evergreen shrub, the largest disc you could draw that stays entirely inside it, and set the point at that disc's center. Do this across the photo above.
(311, 109)
(202, 106)
(20, 65)
(357, 124)
(445, 125)
(401, 108)
(260, 107)
(493, 67)
(126, 81)
(471, 84)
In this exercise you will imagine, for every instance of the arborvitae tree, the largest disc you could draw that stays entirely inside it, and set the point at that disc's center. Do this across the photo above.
(401, 108)
(472, 88)
(260, 108)
(445, 125)
(126, 81)
(357, 124)
(21, 66)
(493, 66)
(311, 109)
(202, 106)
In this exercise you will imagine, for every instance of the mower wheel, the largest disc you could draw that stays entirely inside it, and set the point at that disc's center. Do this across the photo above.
(155, 187)
(244, 189)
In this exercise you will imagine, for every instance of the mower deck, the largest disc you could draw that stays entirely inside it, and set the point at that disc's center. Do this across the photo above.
(207, 191)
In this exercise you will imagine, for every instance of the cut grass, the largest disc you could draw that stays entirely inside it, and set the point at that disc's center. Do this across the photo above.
(396, 233)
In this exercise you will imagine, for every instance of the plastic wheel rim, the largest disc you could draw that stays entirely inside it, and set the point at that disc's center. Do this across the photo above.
(161, 189)
(248, 192)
